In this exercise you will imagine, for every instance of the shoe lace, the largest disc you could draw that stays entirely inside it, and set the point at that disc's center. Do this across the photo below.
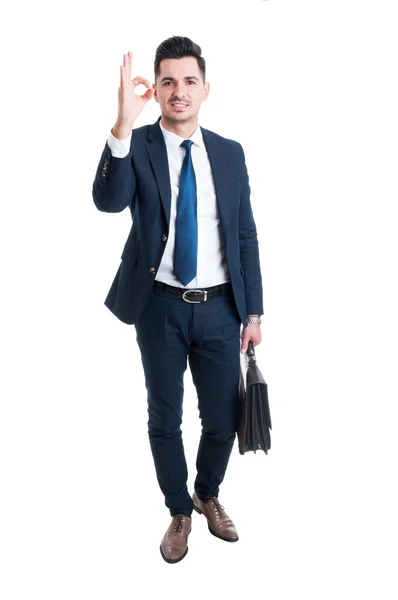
(178, 523)
(217, 507)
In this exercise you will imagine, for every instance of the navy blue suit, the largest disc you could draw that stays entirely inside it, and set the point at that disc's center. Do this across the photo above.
(170, 330)
(141, 181)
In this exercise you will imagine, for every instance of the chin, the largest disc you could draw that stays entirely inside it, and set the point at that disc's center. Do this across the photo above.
(178, 116)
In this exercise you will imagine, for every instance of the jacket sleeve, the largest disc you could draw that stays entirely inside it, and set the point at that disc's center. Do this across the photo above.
(248, 245)
(114, 186)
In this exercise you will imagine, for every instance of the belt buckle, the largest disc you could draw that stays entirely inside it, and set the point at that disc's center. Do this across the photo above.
(196, 292)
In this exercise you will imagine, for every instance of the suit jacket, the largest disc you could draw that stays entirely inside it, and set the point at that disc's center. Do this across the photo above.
(141, 181)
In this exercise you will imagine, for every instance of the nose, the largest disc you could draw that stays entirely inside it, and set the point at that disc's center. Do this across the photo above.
(180, 91)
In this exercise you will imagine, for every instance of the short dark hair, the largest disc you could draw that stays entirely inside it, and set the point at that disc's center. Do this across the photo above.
(178, 47)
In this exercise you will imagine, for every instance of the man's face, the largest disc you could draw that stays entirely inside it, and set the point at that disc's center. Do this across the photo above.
(180, 81)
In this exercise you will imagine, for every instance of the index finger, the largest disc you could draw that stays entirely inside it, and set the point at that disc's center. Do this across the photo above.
(137, 80)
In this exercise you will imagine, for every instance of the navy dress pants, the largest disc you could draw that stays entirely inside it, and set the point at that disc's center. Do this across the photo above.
(169, 332)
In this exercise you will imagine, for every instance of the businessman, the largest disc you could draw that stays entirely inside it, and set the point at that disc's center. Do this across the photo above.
(189, 275)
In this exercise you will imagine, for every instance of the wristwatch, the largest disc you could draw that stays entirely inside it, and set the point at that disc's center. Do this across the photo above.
(254, 320)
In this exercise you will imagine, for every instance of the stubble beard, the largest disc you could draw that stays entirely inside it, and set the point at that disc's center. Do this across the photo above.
(180, 117)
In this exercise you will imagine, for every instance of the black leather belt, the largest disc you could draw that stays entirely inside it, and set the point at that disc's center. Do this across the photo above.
(194, 296)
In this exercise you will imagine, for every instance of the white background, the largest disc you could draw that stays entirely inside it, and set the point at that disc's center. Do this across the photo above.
(308, 87)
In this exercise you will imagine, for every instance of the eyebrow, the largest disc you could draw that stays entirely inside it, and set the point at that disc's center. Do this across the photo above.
(173, 79)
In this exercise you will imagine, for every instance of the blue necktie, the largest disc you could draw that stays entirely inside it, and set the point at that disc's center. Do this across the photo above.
(186, 227)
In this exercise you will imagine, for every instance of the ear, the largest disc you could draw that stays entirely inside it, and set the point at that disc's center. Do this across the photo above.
(155, 93)
(207, 90)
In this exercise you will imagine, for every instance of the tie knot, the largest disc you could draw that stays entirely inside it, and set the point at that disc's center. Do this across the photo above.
(187, 144)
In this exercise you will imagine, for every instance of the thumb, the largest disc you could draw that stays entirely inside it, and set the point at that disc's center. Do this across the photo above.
(148, 95)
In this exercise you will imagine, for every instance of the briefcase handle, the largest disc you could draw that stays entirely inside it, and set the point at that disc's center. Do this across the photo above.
(250, 352)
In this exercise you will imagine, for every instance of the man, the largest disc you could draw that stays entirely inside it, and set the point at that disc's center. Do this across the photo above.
(189, 274)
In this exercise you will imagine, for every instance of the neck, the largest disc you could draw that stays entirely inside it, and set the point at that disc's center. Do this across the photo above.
(183, 129)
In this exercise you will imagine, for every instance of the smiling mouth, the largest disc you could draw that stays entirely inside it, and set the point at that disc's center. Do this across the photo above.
(178, 105)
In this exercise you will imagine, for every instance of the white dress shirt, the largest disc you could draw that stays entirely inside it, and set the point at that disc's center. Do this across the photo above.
(212, 267)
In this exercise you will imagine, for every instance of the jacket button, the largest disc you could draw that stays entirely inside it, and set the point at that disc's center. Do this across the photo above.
(164, 238)
(152, 269)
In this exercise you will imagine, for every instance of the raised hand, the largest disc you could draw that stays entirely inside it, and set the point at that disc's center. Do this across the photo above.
(130, 104)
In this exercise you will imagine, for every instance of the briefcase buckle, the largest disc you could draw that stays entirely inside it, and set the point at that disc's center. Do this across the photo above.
(194, 292)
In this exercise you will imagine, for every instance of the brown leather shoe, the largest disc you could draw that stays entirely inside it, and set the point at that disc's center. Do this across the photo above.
(219, 523)
(173, 546)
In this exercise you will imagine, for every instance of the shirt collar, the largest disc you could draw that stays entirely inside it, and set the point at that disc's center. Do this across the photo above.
(173, 141)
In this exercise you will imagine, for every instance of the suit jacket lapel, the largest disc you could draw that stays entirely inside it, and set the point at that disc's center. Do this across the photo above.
(157, 152)
(218, 163)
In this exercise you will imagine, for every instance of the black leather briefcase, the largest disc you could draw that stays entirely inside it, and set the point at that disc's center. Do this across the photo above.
(254, 418)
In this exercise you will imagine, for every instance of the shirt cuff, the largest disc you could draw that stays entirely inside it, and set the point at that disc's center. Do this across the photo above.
(119, 148)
